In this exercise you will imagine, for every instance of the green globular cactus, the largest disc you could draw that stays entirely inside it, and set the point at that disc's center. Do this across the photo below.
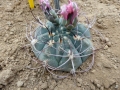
(63, 43)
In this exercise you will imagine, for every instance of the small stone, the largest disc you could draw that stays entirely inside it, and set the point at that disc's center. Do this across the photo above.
(52, 85)
(9, 7)
(99, 21)
(107, 64)
(10, 23)
(108, 83)
(116, 86)
(106, 47)
(97, 83)
(1, 15)
(17, 3)
(16, 40)
(44, 85)
(102, 88)
(11, 33)
(19, 89)
(20, 83)
(99, 64)
(93, 71)
(3, 50)
(106, 39)
(92, 87)
(115, 67)
(109, 44)
(35, 89)
(5, 39)
(20, 19)
(6, 76)
(7, 27)
(34, 74)
(79, 80)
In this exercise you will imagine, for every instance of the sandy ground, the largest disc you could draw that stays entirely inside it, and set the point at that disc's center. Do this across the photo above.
(15, 58)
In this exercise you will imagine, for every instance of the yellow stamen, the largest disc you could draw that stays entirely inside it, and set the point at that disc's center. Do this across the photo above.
(31, 3)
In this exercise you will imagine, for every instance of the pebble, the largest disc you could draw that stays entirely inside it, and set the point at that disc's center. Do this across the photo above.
(16, 40)
(11, 33)
(102, 88)
(107, 64)
(44, 85)
(109, 44)
(79, 80)
(99, 21)
(99, 64)
(20, 19)
(20, 83)
(9, 49)
(1, 15)
(9, 23)
(106, 47)
(97, 83)
(93, 71)
(6, 76)
(9, 7)
(7, 27)
(92, 87)
(19, 89)
(17, 3)
(115, 67)
(106, 39)
(35, 89)
(108, 83)
(52, 85)
(5, 39)
(116, 87)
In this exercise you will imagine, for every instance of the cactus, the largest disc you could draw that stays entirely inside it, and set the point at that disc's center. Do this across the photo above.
(62, 43)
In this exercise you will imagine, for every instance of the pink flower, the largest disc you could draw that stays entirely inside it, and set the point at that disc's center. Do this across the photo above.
(69, 11)
(45, 4)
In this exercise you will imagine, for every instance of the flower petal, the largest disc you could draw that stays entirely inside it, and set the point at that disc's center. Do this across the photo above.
(64, 12)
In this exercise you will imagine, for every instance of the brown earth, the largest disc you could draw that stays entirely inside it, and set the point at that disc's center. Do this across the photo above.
(15, 58)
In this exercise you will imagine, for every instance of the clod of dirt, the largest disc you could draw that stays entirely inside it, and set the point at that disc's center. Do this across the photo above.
(43, 85)
(52, 85)
(18, 88)
(108, 83)
(92, 87)
(6, 76)
(102, 88)
(35, 89)
(9, 8)
(20, 83)
(108, 65)
(97, 83)
(101, 23)
(79, 80)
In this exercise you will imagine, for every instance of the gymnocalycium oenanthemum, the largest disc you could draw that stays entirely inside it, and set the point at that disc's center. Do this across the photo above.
(62, 43)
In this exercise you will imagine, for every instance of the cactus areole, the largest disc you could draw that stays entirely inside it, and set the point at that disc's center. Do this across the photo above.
(62, 43)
